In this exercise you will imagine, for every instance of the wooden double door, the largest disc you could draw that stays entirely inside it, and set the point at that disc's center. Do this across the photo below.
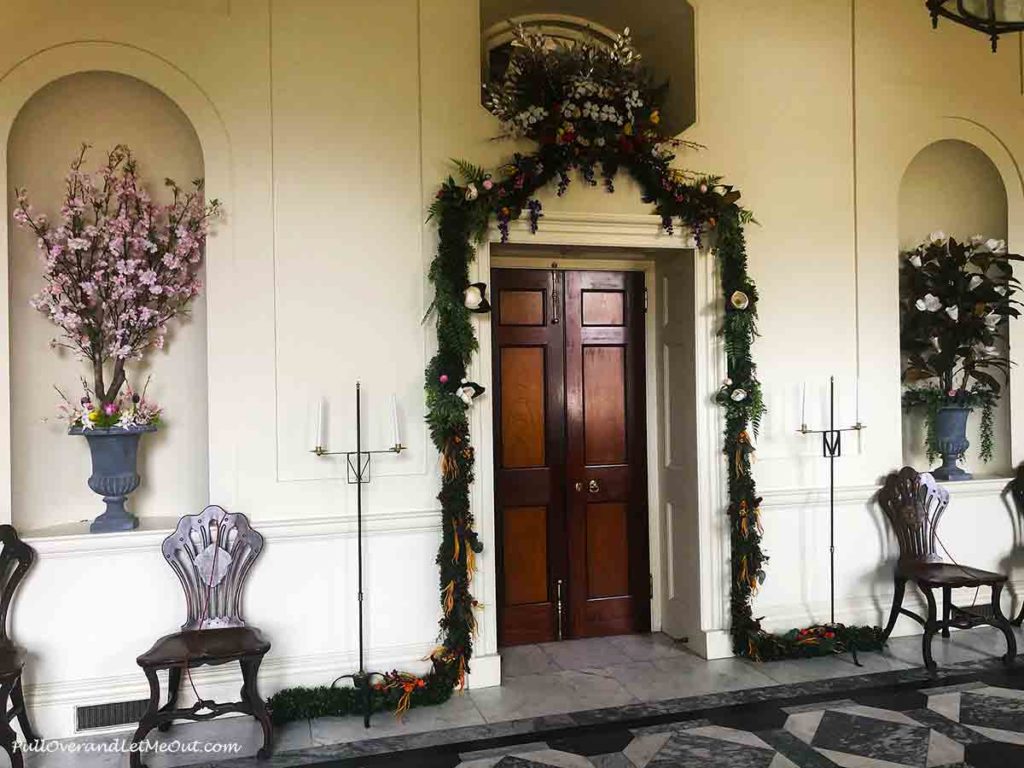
(570, 454)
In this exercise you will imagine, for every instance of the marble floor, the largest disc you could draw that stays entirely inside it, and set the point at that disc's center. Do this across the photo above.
(541, 681)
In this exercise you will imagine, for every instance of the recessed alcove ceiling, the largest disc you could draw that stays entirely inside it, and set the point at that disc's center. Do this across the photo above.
(663, 32)
(49, 469)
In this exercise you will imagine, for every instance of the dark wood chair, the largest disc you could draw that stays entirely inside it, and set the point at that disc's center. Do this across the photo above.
(914, 504)
(16, 558)
(211, 553)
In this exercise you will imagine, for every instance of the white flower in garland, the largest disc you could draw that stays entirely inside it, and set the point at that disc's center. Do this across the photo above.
(472, 193)
(739, 300)
(938, 236)
(992, 319)
(738, 395)
(953, 312)
(975, 283)
(930, 303)
(995, 246)
(915, 259)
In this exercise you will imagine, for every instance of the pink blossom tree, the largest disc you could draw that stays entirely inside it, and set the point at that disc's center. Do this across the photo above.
(118, 267)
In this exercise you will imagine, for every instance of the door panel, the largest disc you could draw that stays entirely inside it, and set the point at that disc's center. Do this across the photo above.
(606, 458)
(522, 407)
(604, 405)
(529, 451)
(570, 485)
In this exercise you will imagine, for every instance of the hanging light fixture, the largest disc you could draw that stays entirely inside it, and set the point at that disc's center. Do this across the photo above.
(994, 17)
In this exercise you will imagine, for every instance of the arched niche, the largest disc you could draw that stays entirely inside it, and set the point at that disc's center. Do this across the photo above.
(663, 33)
(48, 467)
(953, 186)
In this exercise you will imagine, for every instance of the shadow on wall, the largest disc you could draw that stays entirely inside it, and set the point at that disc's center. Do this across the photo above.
(663, 32)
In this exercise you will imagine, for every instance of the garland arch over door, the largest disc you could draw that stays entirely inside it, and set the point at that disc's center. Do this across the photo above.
(591, 113)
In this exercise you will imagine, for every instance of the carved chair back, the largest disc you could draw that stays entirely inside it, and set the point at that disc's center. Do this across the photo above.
(1017, 491)
(211, 554)
(16, 558)
(914, 503)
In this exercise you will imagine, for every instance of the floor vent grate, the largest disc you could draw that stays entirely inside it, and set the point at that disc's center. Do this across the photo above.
(108, 715)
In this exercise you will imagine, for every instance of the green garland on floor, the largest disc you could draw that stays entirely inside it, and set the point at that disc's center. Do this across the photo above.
(464, 210)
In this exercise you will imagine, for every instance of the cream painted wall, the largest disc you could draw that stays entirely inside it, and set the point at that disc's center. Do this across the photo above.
(325, 128)
(953, 186)
(48, 467)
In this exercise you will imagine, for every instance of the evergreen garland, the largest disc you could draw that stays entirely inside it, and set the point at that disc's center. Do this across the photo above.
(463, 211)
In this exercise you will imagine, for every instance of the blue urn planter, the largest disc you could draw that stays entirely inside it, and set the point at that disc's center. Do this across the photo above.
(115, 453)
(951, 437)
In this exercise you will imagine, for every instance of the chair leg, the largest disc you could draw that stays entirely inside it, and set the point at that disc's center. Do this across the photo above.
(1001, 622)
(899, 589)
(149, 720)
(18, 700)
(931, 625)
(251, 696)
(8, 738)
(947, 604)
(173, 684)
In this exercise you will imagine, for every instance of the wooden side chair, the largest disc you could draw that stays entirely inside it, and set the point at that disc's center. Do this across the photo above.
(914, 503)
(16, 558)
(211, 553)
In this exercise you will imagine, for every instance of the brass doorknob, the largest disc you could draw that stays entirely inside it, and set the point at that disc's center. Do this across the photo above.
(579, 486)
(594, 487)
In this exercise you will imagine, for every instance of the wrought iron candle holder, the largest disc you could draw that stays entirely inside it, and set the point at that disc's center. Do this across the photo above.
(358, 464)
(832, 449)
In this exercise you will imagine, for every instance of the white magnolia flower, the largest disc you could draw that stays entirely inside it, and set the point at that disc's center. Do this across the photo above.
(738, 395)
(472, 193)
(953, 312)
(930, 303)
(992, 319)
(938, 236)
(1001, 290)
(915, 259)
(976, 281)
(739, 300)
(996, 246)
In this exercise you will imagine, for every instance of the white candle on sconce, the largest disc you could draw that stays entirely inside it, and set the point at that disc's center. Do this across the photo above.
(396, 436)
(318, 425)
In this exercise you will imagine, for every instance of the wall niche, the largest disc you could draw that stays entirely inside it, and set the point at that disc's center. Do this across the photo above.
(49, 468)
(955, 187)
(662, 32)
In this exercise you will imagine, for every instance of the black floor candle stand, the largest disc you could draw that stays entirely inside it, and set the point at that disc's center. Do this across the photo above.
(358, 474)
(832, 449)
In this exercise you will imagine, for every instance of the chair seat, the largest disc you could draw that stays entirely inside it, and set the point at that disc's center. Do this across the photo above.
(949, 575)
(205, 646)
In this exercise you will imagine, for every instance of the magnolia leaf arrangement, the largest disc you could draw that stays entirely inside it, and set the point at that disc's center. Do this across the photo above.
(955, 301)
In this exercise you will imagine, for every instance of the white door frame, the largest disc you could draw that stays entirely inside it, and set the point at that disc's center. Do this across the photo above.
(635, 233)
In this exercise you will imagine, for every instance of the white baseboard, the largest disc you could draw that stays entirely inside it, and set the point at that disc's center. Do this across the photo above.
(713, 643)
(53, 704)
(485, 672)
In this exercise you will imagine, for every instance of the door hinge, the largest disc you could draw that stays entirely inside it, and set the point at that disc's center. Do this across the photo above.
(645, 300)
(650, 585)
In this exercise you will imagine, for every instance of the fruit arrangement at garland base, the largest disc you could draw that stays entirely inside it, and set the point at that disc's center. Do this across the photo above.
(116, 270)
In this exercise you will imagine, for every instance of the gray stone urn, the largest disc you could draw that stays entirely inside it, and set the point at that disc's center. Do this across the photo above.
(951, 436)
(115, 453)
